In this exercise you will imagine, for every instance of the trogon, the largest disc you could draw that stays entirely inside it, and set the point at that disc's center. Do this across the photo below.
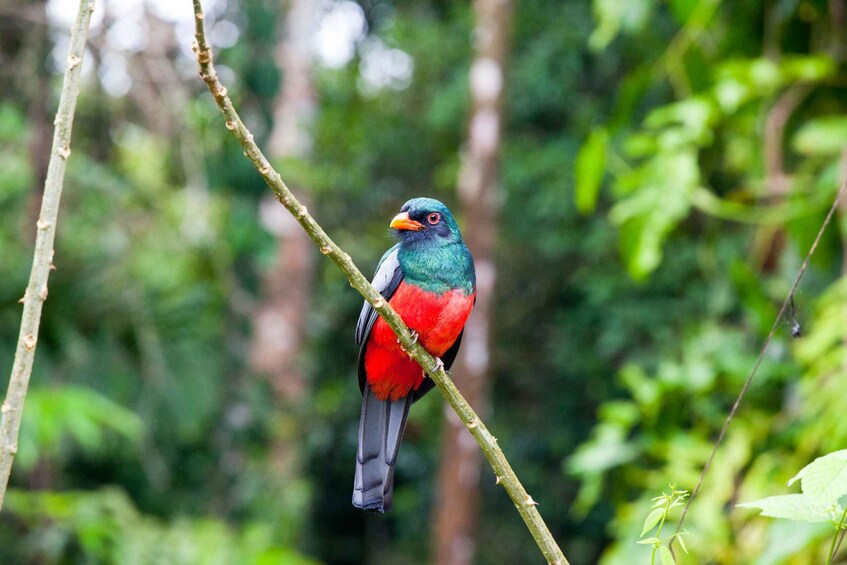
(429, 279)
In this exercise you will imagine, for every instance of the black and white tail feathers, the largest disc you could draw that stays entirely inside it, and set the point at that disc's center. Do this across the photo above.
(380, 433)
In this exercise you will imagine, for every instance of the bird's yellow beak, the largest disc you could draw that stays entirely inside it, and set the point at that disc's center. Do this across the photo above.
(402, 221)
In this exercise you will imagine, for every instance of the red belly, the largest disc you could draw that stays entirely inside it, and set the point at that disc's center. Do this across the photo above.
(437, 319)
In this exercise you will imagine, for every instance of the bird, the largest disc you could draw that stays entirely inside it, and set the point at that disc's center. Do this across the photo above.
(428, 277)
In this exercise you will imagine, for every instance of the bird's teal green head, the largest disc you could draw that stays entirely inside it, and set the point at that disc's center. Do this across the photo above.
(424, 222)
(432, 254)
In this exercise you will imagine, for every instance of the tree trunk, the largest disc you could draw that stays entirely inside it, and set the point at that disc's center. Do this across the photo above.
(162, 98)
(457, 510)
(23, 52)
(279, 319)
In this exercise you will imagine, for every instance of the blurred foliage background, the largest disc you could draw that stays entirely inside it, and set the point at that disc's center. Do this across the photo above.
(664, 168)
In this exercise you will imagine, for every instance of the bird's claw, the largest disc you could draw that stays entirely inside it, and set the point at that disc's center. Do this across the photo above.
(414, 340)
(439, 365)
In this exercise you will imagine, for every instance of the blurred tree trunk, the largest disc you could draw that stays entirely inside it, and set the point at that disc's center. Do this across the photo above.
(25, 46)
(838, 13)
(162, 97)
(279, 318)
(769, 240)
(842, 214)
(457, 508)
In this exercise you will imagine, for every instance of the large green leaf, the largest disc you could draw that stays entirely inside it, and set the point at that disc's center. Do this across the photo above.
(791, 507)
(824, 480)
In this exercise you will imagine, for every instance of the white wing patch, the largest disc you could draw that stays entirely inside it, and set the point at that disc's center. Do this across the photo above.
(385, 273)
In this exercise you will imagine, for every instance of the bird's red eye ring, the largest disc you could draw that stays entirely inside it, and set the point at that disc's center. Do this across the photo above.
(433, 218)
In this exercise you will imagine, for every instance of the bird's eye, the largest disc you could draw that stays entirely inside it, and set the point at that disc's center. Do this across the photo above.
(433, 218)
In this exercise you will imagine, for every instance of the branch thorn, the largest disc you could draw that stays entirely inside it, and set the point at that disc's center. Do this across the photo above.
(29, 342)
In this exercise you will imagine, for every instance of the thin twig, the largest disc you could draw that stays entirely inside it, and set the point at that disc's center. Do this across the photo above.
(785, 305)
(840, 540)
(836, 539)
(42, 262)
(505, 475)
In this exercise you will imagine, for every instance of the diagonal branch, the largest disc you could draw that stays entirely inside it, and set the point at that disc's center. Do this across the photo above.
(524, 503)
(42, 261)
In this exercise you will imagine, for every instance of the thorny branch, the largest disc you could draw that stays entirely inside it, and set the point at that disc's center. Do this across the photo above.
(524, 503)
(42, 261)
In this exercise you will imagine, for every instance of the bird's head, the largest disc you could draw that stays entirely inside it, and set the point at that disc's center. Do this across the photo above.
(425, 221)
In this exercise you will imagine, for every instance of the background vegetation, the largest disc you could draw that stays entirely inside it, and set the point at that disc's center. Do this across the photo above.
(664, 168)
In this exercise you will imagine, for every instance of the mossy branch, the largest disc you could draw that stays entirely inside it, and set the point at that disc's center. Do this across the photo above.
(488, 443)
(42, 261)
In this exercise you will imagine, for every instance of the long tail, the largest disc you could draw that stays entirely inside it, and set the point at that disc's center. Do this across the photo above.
(380, 432)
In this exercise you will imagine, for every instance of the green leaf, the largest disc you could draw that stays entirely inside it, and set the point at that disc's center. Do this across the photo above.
(652, 519)
(791, 507)
(659, 196)
(696, 115)
(823, 136)
(666, 556)
(607, 450)
(56, 414)
(824, 480)
(615, 15)
(589, 168)
(809, 68)
(648, 541)
(681, 541)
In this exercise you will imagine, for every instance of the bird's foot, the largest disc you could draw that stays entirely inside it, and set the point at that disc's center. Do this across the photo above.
(439, 364)
(414, 340)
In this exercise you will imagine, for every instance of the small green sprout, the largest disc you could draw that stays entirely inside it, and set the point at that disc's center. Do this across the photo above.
(662, 506)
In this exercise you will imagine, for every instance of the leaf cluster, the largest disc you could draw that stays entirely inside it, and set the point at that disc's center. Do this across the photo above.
(662, 506)
(823, 484)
